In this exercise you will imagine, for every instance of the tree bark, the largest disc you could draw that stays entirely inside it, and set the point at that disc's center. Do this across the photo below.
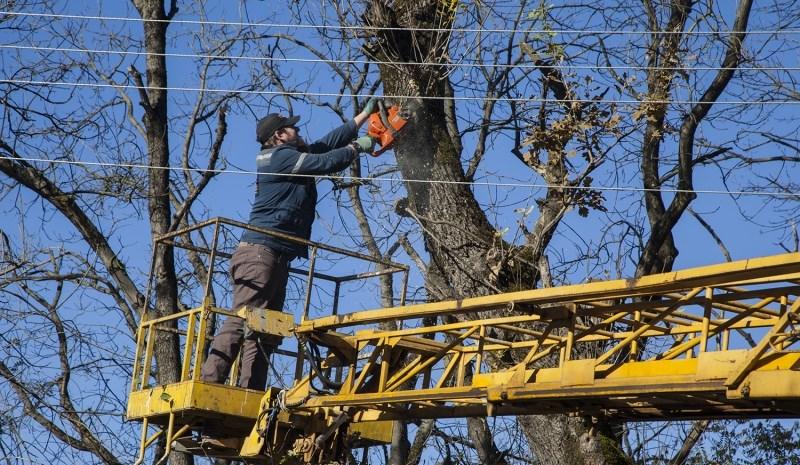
(153, 97)
(560, 440)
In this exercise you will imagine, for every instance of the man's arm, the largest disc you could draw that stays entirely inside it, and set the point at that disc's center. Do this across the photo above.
(361, 118)
(339, 137)
(291, 161)
(370, 108)
(345, 134)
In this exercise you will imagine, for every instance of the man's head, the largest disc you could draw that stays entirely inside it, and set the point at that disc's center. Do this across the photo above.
(275, 129)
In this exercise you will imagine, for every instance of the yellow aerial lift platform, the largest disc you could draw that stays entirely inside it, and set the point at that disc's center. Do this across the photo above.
(711, 342)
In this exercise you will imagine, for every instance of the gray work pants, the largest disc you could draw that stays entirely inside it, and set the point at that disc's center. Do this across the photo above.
(259, 280)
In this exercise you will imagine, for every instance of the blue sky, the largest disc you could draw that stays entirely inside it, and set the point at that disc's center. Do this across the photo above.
(230, 194)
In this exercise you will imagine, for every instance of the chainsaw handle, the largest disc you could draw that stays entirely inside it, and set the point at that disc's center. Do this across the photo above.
(385, 120)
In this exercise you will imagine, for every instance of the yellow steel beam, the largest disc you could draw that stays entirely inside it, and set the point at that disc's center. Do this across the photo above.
(402, 377)
(187, 351)
(705, 374)
(594, 335)
(639, 331)
(451, 365)
(741, 370)
(733, 272)
(136, 377)
(365, 370)
(499, 321)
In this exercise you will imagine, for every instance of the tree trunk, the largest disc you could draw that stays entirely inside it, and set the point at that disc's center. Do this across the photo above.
(458, 236)
(154, 101)
(563, 440)
(153, 97)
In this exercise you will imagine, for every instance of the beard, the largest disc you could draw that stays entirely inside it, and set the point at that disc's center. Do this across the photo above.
(301, 144)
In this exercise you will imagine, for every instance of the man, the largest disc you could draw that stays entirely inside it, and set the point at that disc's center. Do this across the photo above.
(284, 202)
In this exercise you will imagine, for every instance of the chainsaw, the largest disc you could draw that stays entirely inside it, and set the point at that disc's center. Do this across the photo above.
(384, 127)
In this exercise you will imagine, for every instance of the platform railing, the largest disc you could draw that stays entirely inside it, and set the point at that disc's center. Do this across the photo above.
(193, 325)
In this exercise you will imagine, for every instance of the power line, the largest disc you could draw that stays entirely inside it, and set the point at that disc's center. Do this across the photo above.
(419, 97)
(380, 28)
(402, 63)
(788, 195)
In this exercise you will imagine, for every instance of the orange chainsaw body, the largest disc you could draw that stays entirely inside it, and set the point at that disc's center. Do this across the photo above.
(384, 127)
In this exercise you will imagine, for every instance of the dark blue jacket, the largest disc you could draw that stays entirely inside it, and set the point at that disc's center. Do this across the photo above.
(287, 203)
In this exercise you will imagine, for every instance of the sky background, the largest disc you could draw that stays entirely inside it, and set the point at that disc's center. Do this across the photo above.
(503, 183)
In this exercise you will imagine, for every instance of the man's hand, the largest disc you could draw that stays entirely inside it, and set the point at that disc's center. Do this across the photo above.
(371, 106)
(364, 144)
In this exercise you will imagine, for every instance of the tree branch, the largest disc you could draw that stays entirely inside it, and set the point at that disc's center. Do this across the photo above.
(34, 180)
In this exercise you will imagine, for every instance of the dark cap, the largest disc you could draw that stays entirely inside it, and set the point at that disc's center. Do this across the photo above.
(272, 122)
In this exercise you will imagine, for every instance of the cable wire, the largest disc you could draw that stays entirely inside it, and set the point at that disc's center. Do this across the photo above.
(401, 63)
(381, 28)
(315, 357)
(788, 195)
(418, 97)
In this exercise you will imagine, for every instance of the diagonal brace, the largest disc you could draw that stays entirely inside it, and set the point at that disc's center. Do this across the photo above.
(741, 370)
